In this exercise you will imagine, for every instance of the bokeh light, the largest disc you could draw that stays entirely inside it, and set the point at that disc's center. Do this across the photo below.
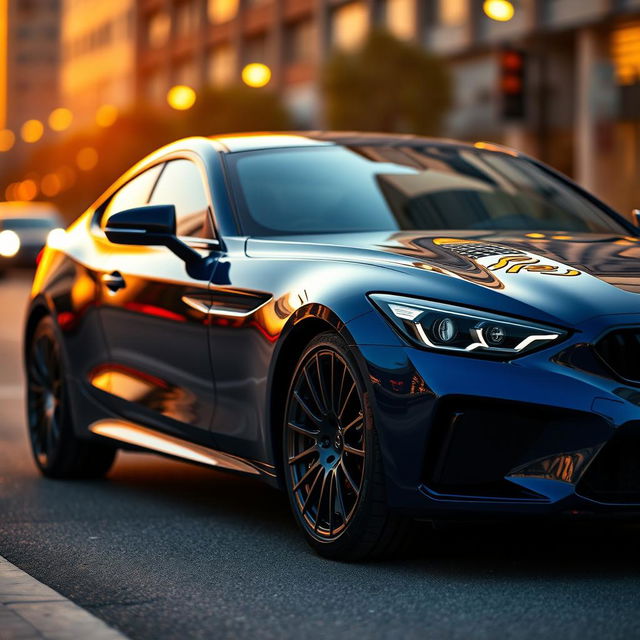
(60, 119)
(67, 176)
(7, 139)
(256, 75)
(26, 190)
(87, 158)
(51, 185)
(106, 115)
(499, 10)
(10, 191)
(32, 130)
(181, 97)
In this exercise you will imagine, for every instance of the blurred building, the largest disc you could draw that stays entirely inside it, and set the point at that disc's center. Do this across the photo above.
(29, 61)
(98, 56)
(580, 103)
(581, 98)
(581, 84)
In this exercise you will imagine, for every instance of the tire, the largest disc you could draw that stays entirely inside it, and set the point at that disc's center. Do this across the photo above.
(331, 457)
(57, 451)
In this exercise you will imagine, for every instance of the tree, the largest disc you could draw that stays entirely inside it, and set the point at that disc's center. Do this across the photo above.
(234, 109)
(388, 85)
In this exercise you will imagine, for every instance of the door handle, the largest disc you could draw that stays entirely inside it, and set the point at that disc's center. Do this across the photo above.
(113, 281)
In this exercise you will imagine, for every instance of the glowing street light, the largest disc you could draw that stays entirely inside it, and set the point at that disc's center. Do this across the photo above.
(7, 139)
(256, 75)
(499, 10)
(32, 130)
(60, 119)
(27, 189)
(87, 158)
(181, 97)
(51, 185)
(106, 115)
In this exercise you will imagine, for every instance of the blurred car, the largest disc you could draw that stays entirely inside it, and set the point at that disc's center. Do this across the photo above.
(24, 229)
(387, 328)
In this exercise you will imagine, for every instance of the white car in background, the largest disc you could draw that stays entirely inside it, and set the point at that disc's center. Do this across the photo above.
(24, 230)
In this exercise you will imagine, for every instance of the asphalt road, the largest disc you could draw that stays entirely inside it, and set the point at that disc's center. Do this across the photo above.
(165, 550)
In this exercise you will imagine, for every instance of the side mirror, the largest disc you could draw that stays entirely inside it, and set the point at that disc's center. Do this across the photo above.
(151, 225)
(635, 216)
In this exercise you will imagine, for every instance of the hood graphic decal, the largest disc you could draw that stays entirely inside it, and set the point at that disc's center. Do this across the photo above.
(515, 264)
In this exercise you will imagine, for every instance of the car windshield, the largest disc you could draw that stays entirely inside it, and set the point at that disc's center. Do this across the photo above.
(335, 189)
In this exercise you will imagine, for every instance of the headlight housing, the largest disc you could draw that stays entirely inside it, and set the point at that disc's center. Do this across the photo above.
(445, 327)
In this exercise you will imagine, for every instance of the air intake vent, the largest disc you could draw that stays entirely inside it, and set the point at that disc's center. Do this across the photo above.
(620, 350)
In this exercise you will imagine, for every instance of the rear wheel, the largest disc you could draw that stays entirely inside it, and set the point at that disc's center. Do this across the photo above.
(57, 451)
(333, 467)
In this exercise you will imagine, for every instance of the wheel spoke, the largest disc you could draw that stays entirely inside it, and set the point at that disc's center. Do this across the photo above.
(307, 502)
(332, 387)
(304, 430)
(355, 452)
(347, 475)
(314, 391)
(39, 363)
(341, 387)
(339, 496)
(303, 454)
(346, 400)
(35, 387)
(306, 476)
(323, 395)
(355, 422)
(305, 407)
(331, 500)
(320, 500)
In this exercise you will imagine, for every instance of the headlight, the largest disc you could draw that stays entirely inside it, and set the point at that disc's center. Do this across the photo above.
(449, 328)
(9, 243)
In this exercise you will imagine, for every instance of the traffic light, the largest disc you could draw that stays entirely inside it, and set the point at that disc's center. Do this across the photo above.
(512, 84)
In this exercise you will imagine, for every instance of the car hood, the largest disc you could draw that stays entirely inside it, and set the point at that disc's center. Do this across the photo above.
(565, 277)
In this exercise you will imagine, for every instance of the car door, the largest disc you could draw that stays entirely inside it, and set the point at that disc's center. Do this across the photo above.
(154, 314)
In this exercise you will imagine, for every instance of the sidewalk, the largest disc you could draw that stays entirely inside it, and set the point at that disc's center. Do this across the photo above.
(30, 610)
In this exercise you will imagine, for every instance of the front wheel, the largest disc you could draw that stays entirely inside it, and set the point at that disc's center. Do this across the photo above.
(57, 451)
(332, 463)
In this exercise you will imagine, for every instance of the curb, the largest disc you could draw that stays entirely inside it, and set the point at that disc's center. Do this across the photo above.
(30, 610)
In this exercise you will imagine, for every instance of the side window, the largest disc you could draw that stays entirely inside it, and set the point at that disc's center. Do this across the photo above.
(181, 185)
(134, 193)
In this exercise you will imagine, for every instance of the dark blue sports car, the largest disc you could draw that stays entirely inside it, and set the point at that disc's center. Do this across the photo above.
(387, 328)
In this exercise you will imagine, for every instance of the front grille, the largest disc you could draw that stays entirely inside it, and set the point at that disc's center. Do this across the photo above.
(614, 475)
(620, 350)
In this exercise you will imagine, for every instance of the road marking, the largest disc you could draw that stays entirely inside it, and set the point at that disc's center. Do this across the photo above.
(31, 610)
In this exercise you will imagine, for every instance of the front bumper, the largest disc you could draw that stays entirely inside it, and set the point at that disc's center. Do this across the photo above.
(550, 433)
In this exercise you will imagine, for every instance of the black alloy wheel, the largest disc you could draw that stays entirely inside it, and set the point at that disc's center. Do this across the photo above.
(44, 397)
(58, 452)
(332, 463)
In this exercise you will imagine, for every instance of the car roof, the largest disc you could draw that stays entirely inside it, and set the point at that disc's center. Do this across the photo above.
(234, 143)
